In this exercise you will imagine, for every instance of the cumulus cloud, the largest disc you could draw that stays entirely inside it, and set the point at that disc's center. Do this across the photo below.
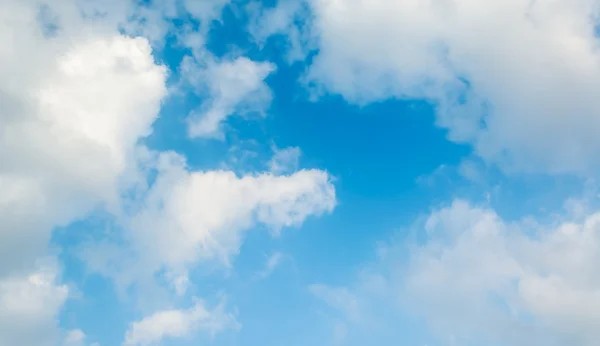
(518, 282)
(31, 302)
(77, 103)
(78, 96)
(191, 215)
(516, 79)
(188, 218)
(475, 278)
(180, 324)
(75, 108)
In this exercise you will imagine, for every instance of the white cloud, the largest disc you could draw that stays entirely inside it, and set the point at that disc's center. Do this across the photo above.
(285, 160)
(75, 105)
(31, 302)
(532, 71)
(227, 86)
(78, 96)
(513, 281)
(232, 87)
(74, 338)
(179, 324)
(475, 278)
(188, 218)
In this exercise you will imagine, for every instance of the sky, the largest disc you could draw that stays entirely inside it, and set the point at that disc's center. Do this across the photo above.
(299, 172)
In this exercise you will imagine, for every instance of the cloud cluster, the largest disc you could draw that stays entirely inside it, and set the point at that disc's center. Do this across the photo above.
(516, 79)
(75, 108)
(78, 96)
(187, 218)
(79, 92)
(76, 99)
(518, 282)
(475, 278)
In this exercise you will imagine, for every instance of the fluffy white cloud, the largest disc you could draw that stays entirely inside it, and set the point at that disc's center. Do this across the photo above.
(192, 215)
(517, 79)
(193, 218)
(475, 278)
(188, 218)
(179, 323)
(78, 97)
(516, 282)
(231, 87)
(76, 104)
(30, 303)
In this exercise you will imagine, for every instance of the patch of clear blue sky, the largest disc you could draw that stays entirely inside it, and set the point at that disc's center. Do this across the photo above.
(376, 153)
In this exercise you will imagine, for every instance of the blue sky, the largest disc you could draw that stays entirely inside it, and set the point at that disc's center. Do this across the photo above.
(299, 172)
